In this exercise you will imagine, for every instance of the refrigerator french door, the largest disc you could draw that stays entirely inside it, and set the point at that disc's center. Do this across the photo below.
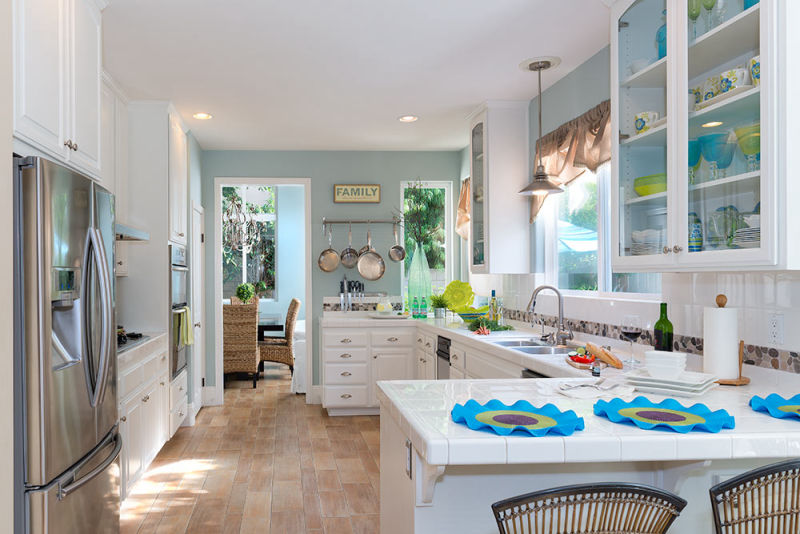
(66, 350)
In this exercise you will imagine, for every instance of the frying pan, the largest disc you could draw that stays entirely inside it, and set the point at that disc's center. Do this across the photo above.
(329, 259)
(349, 256)
(370, 264)
(397, 252)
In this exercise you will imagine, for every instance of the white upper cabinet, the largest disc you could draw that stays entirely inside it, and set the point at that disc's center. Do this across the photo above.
(499, 229)
(178, 179)
(57, 65)
(702, 173)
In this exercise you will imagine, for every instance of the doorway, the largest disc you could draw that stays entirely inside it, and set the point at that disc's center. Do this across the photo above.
(268, 248)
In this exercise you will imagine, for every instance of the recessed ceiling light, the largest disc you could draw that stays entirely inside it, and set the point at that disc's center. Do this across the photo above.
(203, 116)
(712, 124)
(408, 118)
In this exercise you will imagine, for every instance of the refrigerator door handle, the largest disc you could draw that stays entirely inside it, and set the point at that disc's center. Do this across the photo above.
(73, 485)
(107, 307)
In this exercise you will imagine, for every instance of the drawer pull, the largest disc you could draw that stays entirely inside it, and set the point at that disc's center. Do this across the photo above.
(180, 388)
(392, 339)
(123, 419)
(346, 340)
(422, 360)
(375, 357)
(162, 383)
(454, 357)
(345, 373)
(345, 355)
(345, 396)
(146, 398)
(428, 345)
(419, 340)
(180, 414)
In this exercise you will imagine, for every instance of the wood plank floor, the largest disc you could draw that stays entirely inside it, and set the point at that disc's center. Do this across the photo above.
(264, 462)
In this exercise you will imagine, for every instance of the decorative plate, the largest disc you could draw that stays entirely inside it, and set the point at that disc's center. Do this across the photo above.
(521, 416)
(668, 413)
(777, 406)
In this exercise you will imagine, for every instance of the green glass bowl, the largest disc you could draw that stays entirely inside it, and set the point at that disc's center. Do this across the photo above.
(650, 184)
(749, 139)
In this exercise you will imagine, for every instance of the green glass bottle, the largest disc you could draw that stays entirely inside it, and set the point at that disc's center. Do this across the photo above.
(663, 331)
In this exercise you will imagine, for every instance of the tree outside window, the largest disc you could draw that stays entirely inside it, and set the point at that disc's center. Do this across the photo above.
(256, 264)
(426, 215)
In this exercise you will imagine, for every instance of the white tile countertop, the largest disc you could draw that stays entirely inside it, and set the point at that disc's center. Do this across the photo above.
(422, 410)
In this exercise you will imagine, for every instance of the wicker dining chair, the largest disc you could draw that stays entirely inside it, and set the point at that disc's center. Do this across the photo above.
(608, 508)
(281, 349)
(766, 500)
(240, 339)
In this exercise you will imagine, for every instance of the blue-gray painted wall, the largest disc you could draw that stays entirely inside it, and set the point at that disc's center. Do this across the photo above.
(326, 168)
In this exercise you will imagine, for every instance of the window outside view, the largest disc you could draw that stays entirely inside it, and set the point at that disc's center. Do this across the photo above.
(425, 222)
(250, 263)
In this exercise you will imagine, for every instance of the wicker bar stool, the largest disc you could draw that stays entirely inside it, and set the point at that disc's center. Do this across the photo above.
(765, 500)
(608, 508)
(240, 339)
(281, 349)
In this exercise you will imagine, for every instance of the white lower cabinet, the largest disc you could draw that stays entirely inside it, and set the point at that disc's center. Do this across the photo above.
(394, 364)
(178, 401)
(482, 365)
(143, 408)
(456, 373)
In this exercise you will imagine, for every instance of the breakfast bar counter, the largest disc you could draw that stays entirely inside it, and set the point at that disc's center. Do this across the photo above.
(440, 476)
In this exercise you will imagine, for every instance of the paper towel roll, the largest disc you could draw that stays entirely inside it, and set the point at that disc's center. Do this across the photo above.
(721, 342)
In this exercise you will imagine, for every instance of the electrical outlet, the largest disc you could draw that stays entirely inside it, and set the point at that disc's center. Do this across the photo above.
(775, 328)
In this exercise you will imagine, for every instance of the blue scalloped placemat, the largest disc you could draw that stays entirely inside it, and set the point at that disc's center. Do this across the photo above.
(777, 406)
(669, 414)
(521, 417)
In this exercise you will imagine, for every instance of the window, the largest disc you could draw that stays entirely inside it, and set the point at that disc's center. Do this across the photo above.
(427, 213)
(578, 224)
(257, 263)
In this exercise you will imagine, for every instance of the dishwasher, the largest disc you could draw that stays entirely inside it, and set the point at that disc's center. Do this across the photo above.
(527, 373)
(442, 358)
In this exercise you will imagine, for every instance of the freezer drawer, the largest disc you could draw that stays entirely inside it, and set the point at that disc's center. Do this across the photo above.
(84, 499)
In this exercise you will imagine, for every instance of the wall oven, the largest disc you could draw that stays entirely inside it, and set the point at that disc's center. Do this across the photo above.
(178, 282)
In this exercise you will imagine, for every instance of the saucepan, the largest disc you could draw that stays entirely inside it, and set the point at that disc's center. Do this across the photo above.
(370, 264)
(349, 255)
(397, 252)
(329, 259)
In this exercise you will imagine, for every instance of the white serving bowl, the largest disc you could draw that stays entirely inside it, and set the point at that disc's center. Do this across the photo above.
(664, 356)
(666, 372)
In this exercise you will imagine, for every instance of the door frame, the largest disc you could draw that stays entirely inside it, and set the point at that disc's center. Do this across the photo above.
(219, 182)
(198, 312)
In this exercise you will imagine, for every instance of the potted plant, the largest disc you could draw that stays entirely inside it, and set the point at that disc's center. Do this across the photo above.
(439, 305)
(245, 292)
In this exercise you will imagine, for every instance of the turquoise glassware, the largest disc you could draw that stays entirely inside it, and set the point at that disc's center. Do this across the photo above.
(661, 38)
(694, 158)
(749, 3)
(711, 146)
(725, 158)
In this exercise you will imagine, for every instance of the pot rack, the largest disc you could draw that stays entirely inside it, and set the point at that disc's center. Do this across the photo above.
(326, 222)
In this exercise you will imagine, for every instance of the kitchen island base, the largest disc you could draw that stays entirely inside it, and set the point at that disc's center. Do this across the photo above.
(420, 498)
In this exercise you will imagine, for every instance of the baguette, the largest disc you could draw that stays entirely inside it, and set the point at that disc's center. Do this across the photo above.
(603, 355)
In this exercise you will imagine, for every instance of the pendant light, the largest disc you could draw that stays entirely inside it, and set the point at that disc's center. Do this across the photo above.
(541, 185)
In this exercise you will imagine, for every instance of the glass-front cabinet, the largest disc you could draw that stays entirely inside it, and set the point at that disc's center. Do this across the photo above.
(696, 183)
(478, 166)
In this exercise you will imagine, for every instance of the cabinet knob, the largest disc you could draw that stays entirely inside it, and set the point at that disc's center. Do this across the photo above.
(345, 373)
(197, 325)
(667, 250)
(68, 144)
(146, 398)
(346, 340)
(123, 419)
(162, 383)
(180, 414)
(180, 388)
(677, 249)
(75, 147)
(422, 360)
(392, 339)
(119, 262)
(428, 345)
(453, 357)
(181, 234)
(345, 396)
(419, 340)
(375, 357)
(345, 355)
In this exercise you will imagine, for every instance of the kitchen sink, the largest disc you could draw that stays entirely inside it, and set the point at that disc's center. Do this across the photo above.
(544, 350)
(519, 343)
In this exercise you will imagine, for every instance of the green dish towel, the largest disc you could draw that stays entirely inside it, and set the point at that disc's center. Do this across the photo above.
(187, 330)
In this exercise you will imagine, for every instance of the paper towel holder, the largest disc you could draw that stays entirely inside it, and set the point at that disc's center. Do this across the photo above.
(742, 380)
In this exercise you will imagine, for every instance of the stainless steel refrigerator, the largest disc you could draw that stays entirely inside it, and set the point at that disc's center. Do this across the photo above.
(65, 352)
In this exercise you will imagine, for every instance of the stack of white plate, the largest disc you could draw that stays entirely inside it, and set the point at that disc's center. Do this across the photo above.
(647, 242)
(665, 364)
(687, 384)
(747, 237)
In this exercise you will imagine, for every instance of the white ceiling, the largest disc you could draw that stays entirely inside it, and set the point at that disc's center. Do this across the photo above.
(335, 75)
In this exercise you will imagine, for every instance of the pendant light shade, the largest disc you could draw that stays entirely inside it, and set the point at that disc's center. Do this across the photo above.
(541, 185)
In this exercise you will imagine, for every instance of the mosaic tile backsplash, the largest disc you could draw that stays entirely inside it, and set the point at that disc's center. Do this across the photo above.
(769, 357)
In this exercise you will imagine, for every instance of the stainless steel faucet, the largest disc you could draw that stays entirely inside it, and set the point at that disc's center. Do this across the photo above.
(563, 333)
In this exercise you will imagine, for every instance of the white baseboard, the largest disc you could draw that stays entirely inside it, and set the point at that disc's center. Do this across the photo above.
(212, 396)
(314, 395)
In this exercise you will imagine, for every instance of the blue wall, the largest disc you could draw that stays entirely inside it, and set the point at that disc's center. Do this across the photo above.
(290, 254)
(325, 169)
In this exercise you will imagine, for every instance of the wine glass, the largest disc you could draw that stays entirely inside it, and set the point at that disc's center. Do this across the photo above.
(708, 5)
(631, 330)
(694, 13)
